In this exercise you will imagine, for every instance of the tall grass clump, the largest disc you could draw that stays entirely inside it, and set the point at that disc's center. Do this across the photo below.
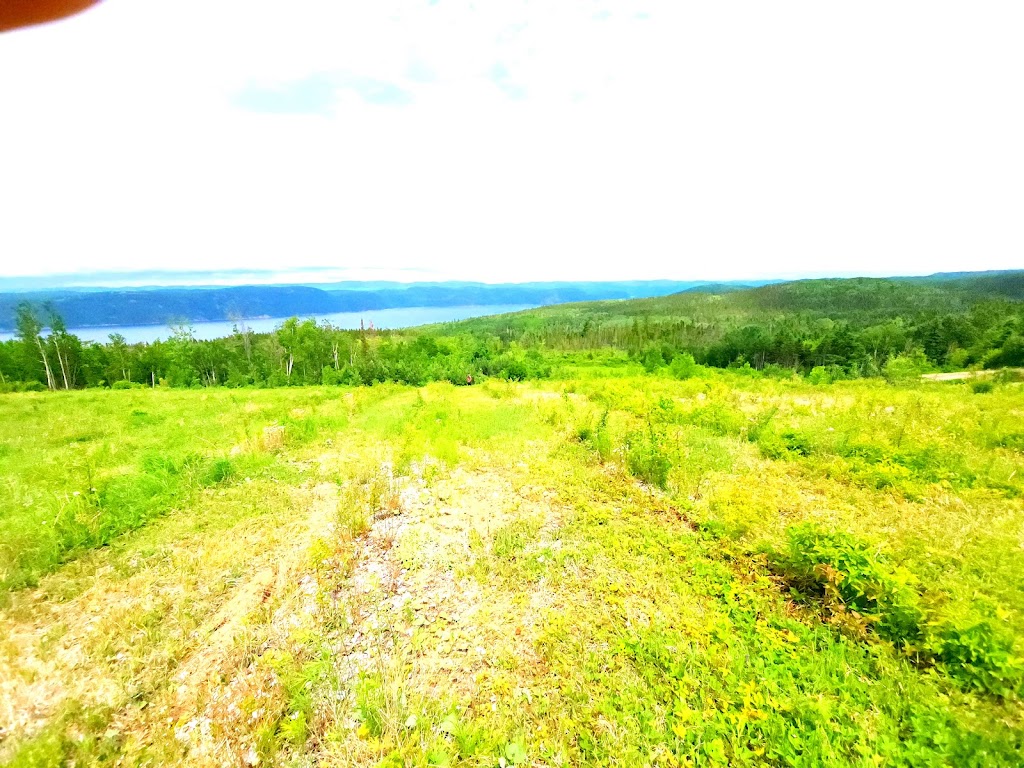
(597, 436)
(646, 459)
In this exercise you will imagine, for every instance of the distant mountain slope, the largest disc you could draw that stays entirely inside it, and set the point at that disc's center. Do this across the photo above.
(860, 301)
(160, 306)
(151, 307)
(1008, 284)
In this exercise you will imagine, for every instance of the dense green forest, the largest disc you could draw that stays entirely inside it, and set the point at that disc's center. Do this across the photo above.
(833, 328)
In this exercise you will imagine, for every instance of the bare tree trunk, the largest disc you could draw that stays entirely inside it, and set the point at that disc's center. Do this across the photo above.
(63, 364)
(46, 364)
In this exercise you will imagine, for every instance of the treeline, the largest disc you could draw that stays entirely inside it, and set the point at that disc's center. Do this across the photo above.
(843, 327)
(990, 335)
(852, 326)
(297, 353)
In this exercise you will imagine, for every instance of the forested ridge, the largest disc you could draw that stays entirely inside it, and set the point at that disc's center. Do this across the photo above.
(840, 328)
(166, 305)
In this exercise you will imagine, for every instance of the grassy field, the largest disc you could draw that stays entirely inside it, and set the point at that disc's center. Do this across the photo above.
(608, 568)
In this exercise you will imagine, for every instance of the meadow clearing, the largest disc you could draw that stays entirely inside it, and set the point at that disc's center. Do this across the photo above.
(605, 568)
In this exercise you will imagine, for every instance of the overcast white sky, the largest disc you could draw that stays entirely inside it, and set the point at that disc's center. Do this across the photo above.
(515, 140)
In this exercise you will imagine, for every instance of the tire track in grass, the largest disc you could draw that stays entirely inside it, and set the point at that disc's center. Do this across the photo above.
(145, 608)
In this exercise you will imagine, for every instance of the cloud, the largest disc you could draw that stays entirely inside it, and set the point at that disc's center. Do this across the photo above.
(501, 77)
(318, 94)
(314, 95)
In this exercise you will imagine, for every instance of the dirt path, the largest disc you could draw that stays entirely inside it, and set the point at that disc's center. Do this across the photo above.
(173, 641)
(423, 625)
(954, 376)
(216, 637)
(961, 375)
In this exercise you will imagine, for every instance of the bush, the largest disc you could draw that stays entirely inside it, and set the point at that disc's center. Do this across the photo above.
(774, 371)
(645, 459)
(906, 367)
(716, 417)
(850, 577)
(684, 366)
(981, 387)
(760, 424)
(771, 445)
(652, 358)
(980, 656)
(819, 375)
(1011, 353)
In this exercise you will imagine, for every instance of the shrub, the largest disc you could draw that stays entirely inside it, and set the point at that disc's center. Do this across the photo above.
(771, 445)
(980, 656)
(906, 367)
(22, 386)
(775, 371)
(761, 423)
(849, 576)
(1013, 440)
(684, 366)
(981, 387)
(819, 375)
(716, 417)
(645, 458)
(597, 437)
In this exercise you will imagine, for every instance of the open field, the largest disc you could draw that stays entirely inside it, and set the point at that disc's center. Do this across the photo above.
(606, 568)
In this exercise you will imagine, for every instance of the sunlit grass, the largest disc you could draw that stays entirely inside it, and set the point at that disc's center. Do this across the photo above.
(604, 569)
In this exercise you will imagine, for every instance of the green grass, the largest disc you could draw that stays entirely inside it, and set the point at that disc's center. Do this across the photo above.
(724, 569)
(83, 468)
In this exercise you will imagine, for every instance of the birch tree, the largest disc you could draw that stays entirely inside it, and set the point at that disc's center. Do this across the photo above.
(28, 329)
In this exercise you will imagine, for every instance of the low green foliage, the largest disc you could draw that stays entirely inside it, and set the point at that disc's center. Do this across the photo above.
(981, 655)
(646, 458)
(684, 366)
(851, 577)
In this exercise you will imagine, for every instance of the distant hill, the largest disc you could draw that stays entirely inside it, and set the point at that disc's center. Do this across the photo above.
(860, 301)
(857, 299)
(160, 306)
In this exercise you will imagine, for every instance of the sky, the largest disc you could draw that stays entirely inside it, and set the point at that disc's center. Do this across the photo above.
(515, 141)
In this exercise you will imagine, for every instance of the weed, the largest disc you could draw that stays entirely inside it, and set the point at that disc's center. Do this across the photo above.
(646, 459)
